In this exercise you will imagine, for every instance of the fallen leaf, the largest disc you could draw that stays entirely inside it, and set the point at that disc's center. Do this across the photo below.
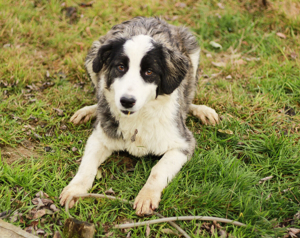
(128, 234)
(29, 229)
(15, 216)
(59, 111)
(99, 174)
(47, 149)
(294, 230)
(212, 229)
(289, 111)
(218, 15)
(109, 234)
(281, 35)
(88, 31)
(268, 197)
(71, 12)
(180, 4)
(109, 191)
(222, 234)
(49, 212)
(89, 4)
(215, 45)
(63, 127)
(40, 232)
(47, 201)
(293, 55)
(39, 213)
(171, 232)
(5, 214)
(57, 235)
(252, 59)
(37, 136)
(148, 230)
(38, 202)
(292, 234)
(54, 208)
(265, 179)
(229, 132)
(220, 5)
(240, 62)
(219, 64)
(5, 46)
(297, 216)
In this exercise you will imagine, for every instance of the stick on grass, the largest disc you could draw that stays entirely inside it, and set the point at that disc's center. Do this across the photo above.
(162, 218)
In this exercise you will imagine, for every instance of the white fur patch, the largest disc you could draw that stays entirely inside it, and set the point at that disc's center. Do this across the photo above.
(155, 123)
(132, 84)
(195, 61)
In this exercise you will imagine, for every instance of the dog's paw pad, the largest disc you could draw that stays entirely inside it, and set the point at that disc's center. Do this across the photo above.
(206, 114)
(68, 192)
(84, 114)
(146, 202)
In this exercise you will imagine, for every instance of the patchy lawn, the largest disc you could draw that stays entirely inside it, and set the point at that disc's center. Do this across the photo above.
(252, 80)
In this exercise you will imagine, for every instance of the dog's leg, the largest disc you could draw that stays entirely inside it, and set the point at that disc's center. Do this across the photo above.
(161, 174)
(95, 154)
(206, 114)
(84, 114)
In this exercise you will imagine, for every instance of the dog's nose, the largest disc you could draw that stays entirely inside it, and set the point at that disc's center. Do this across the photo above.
(127, 102)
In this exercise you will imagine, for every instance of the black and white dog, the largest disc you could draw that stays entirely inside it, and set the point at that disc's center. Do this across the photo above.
(144, 71)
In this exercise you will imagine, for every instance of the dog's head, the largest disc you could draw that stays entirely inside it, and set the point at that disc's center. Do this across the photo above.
(138, 70)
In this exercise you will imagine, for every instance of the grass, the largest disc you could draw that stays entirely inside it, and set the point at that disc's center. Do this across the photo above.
(42, 69)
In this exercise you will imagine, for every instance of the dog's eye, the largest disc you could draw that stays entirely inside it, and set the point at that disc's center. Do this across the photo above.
(121, 68)
(148, 72)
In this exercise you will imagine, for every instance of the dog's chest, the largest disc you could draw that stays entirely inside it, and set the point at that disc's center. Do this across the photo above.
(153, 133)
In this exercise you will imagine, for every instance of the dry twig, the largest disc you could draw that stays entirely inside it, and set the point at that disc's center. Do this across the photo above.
(163, 219)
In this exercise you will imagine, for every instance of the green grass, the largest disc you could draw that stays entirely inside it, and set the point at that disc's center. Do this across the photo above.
(221, 179)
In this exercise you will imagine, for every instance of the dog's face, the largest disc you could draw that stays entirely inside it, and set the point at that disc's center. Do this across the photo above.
(138, 70)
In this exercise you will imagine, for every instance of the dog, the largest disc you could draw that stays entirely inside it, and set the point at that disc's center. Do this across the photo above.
(145, 74)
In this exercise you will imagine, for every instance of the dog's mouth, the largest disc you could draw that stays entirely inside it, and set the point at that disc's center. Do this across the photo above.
(128, 113)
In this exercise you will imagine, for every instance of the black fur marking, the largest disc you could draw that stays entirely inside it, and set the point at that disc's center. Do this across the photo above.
(106, 52)
(176, 67)
(116, 60)
(169, 68)
(152, 60)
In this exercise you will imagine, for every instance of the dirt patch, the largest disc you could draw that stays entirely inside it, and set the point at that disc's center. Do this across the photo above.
(290, 8)
(12, 154)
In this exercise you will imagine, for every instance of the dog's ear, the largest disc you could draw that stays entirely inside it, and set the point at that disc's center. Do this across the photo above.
(104, 54)
(176, 67)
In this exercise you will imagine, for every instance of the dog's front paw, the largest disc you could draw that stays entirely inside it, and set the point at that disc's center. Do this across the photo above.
(69, 191)
(146, 201)
(206, 114)
(84, 114)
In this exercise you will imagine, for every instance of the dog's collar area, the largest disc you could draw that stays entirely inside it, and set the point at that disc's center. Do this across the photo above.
(128, 113)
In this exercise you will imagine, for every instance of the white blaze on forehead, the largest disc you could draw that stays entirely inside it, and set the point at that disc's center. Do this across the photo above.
(131, 84)
(136, 48)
